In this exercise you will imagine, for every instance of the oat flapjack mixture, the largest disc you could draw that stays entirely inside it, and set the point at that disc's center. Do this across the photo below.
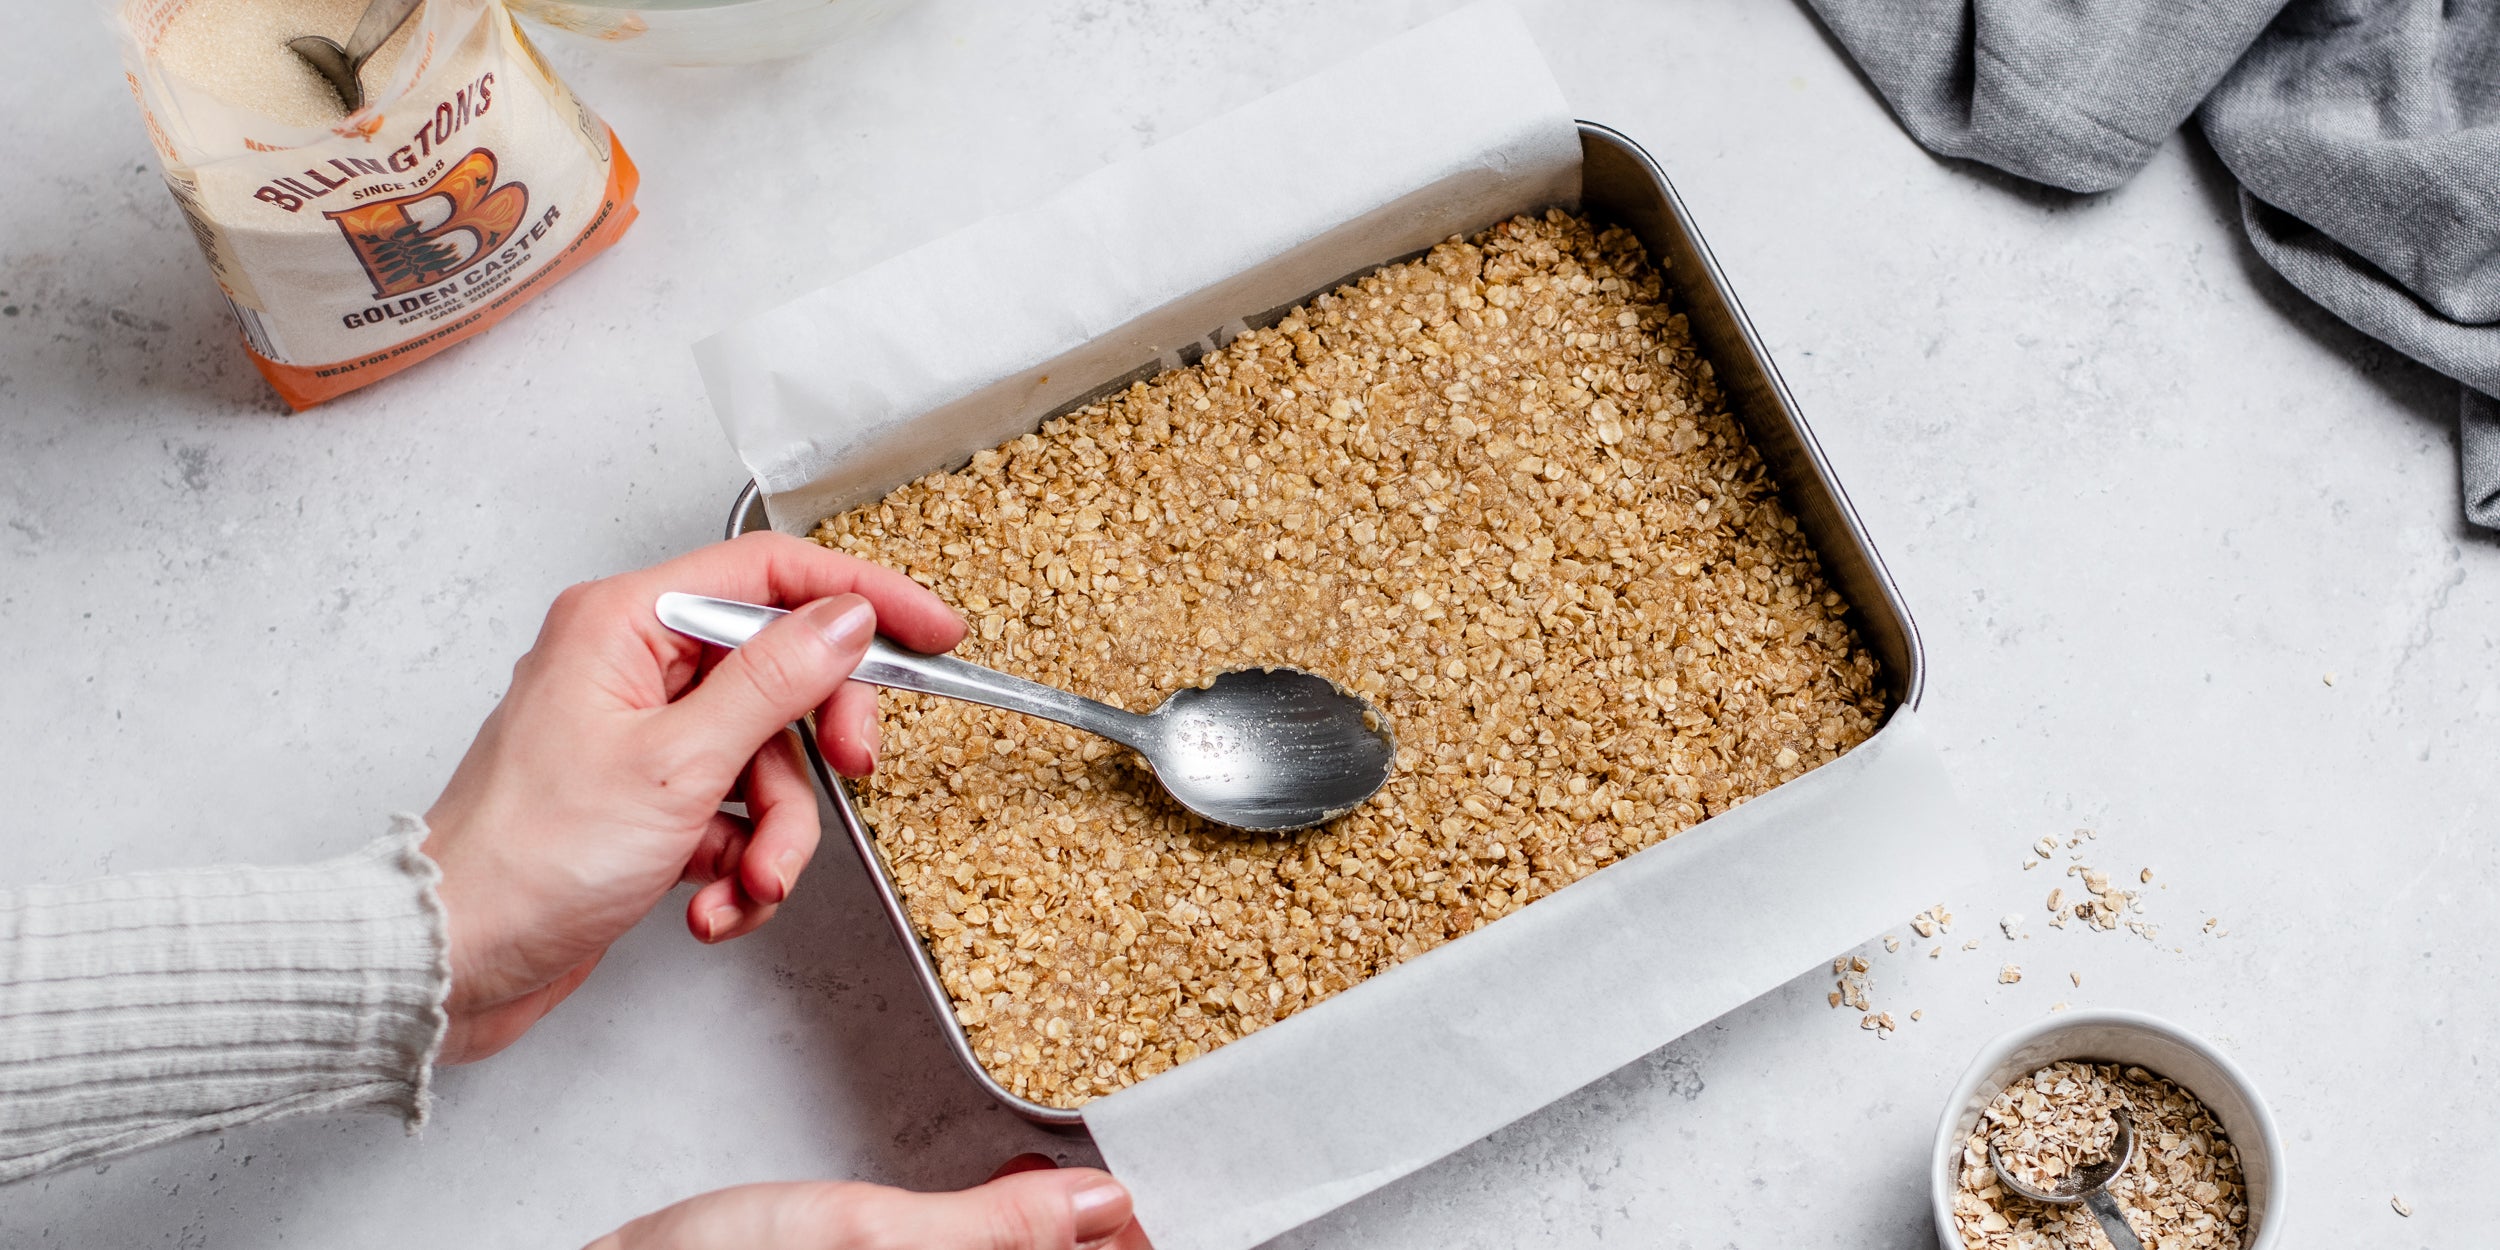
(2182, 1189)
(1496, 491)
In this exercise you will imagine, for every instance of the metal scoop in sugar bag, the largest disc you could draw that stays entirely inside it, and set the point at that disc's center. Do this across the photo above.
(344, 66)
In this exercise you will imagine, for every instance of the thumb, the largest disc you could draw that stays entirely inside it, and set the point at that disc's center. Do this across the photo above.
(1053, 1209)
(785, 671)
(1057, 1209)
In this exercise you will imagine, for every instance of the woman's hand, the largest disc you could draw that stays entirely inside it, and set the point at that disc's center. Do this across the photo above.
(597, 783)
(1029, 1206)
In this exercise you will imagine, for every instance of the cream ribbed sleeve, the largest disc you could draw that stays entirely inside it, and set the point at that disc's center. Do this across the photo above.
(142, 1009)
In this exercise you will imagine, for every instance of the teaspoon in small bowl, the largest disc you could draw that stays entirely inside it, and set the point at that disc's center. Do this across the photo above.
(2088, 1185)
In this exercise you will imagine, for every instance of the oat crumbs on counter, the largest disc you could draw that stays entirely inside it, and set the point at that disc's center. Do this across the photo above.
(2182, 1191)
(1495, 490)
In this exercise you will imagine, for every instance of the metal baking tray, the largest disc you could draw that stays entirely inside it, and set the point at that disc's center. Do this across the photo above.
(1621, 185)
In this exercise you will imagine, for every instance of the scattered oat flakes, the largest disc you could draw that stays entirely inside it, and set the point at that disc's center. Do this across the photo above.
(2009, 974)
(1936, 953)
(2101, 904)
(2330, 679)
(1891, 943)
(2077, 978)
(2401, 1208)
(1971, 945)
(1853, 985)
(2012, 925)
(2145, 876)
(2184, 1190)
(2059, 1005)
(1918, 1014)
(1466, 486)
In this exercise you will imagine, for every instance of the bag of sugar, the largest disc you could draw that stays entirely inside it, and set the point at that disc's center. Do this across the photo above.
(353, 245)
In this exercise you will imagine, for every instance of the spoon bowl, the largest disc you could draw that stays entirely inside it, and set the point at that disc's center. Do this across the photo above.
(343, 65)
(2087, 1184)
(1262, 749)
(1269, 749)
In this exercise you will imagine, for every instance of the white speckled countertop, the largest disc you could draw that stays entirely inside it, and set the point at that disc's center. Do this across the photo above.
(2143, 500)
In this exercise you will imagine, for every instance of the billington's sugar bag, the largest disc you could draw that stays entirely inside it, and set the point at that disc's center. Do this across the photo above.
(352, 245)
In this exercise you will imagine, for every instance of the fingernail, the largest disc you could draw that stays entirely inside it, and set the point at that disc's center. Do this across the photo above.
(1100, 1209)
(787, 868)
(851, 625)
(717, 921)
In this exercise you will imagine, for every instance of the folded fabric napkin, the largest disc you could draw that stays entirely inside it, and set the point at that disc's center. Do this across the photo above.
(2365, 135)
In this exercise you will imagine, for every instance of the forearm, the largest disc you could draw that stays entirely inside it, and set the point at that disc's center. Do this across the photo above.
(142, 1009)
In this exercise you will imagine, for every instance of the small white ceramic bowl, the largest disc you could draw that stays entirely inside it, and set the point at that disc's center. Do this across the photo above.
(2130, 1037)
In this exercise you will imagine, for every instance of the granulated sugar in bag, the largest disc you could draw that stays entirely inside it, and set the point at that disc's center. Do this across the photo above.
(352, 246)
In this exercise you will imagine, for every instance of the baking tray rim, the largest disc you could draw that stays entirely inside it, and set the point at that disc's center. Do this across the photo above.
(747, 515)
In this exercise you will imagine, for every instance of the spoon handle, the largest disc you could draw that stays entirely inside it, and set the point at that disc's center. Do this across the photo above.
(729, 623)
(2113, 1220)
(381, 18)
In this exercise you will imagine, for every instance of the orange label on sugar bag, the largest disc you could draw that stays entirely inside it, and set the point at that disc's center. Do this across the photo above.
(401, 253)
(305, 385)
(353, 246)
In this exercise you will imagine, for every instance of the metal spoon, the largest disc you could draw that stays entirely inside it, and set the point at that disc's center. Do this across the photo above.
(2088, 1185)
(1266, 749)
(343, 65)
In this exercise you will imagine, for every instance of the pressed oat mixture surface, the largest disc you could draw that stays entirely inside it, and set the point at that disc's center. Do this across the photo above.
(1494, 490)
(2181, 1191)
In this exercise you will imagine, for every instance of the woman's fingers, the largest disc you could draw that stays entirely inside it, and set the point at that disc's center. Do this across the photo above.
(784, 571)
(718, 852)
(1048, 1209)
(791, 666)
(1058, 1209)
(846, 727)
(748, 864)
(782, 802)
(1131, 1237)
(723, 910)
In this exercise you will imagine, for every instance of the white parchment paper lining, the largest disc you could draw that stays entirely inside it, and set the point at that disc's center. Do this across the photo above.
(965, 343)
(1312, 1112)
(914, 364)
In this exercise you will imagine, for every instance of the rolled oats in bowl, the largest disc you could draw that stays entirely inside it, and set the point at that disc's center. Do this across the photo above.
(2182, 1189)
(1496, 491)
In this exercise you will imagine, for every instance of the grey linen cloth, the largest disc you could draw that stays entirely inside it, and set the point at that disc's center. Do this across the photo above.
(2366, 138)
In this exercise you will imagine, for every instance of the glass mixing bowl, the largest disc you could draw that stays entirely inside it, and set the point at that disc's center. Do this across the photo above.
(708, 32)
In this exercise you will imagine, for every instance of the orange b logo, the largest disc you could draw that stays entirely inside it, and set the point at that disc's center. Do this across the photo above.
(403, 252)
